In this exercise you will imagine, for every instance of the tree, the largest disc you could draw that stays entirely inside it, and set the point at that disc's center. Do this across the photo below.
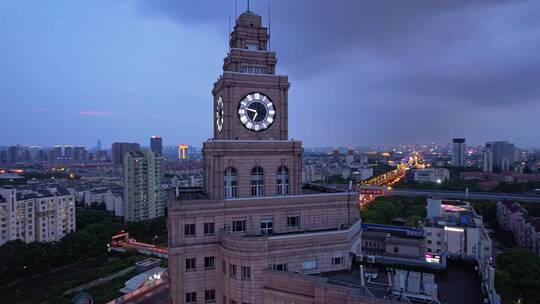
(518, 276)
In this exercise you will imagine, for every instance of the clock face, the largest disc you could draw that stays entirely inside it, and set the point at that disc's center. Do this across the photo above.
(256, 112)
(219, 114)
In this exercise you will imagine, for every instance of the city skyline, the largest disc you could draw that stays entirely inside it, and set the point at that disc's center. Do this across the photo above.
(132, 69)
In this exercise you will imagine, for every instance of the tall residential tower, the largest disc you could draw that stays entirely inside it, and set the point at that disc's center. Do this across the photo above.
(156, 145)
(459, 158)
(144, 197)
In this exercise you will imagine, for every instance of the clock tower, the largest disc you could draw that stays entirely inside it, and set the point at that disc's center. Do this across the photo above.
(251, 235)
(250, 100)
(250, 154)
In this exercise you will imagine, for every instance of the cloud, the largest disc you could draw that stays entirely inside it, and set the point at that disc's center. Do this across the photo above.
(97, 113)
(418, 64)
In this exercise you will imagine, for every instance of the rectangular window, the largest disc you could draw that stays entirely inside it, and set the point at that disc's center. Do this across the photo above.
(309, 265)
(209, 263)
(208, 228)
(224, 267)
(252, 46)
(190, 264)
(267, 226)
(191, 297)
(293, 221)
(232, 271)
(232, 301)
(396, 249)
(189, 229)
(338, 261)
(210, 296)
(239, 226)
(279, 267)
(246, 273)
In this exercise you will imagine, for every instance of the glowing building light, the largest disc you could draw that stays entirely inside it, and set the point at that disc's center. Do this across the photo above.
(182, 151)
(454, 229)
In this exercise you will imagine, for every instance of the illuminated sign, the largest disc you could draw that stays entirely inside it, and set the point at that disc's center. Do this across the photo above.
(432, 258)
(453, 229)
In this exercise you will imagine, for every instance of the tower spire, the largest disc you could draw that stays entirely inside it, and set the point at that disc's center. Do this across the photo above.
(248, 5)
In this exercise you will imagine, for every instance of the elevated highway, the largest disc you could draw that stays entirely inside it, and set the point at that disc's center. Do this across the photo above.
(389, 191)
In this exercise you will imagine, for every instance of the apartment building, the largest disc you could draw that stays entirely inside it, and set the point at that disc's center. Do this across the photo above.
(525, 228)
(36, 214)
(144, 196)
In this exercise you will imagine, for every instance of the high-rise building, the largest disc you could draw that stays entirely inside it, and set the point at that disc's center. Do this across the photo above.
(68, 152)
(56, 153)
(350, 157)
(3, 157)
(120, 149)
(101, 155)
(503, 153)
(79, 153)
(14, 154)
(182, 151)
(487, 160)
(156, 145)
(459, 158)
(144, 197)
(252, 235)
(98, 145)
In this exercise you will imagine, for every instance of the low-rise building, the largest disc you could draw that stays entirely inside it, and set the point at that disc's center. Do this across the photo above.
(431, 175)
(456, 230)
(393, 241)
(111, 198)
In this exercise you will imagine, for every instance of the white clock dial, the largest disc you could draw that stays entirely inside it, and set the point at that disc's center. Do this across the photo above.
(219, 114)
(256, 112)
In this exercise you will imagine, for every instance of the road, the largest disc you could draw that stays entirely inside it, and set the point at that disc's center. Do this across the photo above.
(461, 194)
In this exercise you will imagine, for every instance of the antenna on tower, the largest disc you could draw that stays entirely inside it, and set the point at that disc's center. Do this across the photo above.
(229, 33)
(248, 5)
(269, 28)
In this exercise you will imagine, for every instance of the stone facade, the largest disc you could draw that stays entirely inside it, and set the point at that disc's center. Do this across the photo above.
(243, 156)
(320, 236)
(252, 229)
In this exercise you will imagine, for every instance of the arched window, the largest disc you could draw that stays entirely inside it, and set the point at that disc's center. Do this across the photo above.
(230, 183)
(257, 181)
(282, 181)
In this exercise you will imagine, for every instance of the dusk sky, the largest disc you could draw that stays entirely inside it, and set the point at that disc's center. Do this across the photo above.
(361, 72)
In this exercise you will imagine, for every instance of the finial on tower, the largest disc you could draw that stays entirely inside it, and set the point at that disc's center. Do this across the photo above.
(248, 5)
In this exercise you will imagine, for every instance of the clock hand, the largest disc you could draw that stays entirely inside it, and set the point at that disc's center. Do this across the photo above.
(254, 116)
(251, 110)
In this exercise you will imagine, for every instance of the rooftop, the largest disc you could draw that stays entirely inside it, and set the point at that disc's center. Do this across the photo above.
(196, 193)
(458, 276)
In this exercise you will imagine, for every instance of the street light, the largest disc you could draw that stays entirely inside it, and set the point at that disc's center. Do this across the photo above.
(438, 182)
